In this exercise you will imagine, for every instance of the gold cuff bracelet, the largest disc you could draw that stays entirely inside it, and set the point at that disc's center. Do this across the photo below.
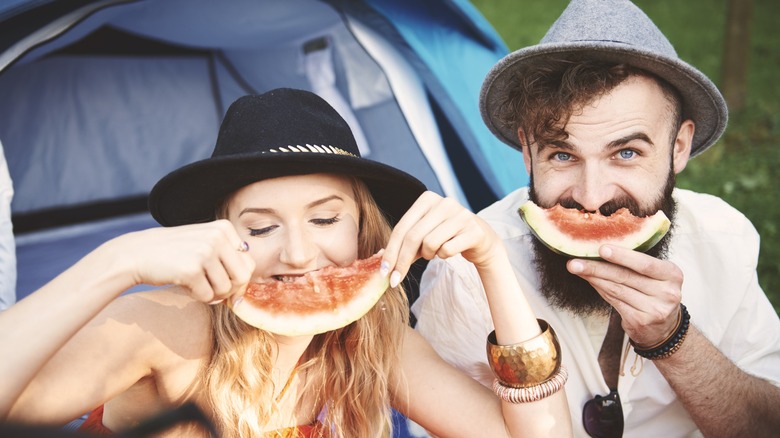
(527, 363)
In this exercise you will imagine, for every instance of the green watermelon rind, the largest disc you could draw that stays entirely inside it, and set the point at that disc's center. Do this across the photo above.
(287, 324)
(654, 228)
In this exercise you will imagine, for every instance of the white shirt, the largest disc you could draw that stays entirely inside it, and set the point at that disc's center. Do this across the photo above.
(715, 246)
(7, 242)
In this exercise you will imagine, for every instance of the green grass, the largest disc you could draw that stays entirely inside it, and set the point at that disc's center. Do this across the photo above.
(743, 167)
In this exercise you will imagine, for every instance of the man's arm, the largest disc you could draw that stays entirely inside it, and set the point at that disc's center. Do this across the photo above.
(722, 399)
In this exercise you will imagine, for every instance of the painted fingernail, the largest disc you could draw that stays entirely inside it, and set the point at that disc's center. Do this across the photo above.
(395, 279)
(244, 247)
(384, 268)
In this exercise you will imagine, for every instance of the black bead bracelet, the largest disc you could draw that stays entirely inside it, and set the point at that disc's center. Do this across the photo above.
(672, 344)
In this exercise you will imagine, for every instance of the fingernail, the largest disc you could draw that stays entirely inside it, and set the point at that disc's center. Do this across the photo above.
(384, 268)
(238, 301)
(395, 279)
(576, 266)
(606, 251)
(212, 303)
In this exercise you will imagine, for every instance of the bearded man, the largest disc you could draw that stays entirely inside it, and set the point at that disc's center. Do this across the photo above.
(678, 341)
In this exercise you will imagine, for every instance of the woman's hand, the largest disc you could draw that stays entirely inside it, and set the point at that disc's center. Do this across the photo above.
(204, 258)
(436, 226)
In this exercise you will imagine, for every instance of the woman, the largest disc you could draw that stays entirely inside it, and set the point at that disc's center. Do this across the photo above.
(284, 193)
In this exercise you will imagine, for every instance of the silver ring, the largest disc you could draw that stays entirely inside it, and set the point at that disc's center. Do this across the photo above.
(244, 247)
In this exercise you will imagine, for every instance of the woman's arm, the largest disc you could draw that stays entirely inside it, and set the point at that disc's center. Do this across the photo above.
(201, 258)
(443, 228)
(446, 402)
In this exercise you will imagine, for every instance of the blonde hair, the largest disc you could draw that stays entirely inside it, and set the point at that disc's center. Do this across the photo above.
(350, 365)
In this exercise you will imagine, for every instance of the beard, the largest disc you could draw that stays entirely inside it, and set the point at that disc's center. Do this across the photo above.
(568, 292)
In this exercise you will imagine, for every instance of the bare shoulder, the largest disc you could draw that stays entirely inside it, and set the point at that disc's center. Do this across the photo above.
(173, 331)
(177, 322)
(144, 348)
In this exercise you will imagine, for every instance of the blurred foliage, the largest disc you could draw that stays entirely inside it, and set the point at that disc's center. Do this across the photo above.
(742, 168)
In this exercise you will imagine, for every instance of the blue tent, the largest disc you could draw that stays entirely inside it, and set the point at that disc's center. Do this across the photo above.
(100, 98)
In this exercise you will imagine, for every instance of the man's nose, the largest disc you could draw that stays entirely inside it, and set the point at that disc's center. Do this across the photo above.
(594, 188)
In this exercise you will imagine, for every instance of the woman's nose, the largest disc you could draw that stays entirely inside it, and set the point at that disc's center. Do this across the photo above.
(298, 250)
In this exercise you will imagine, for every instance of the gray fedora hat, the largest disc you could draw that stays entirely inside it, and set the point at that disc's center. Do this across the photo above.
(616, 31)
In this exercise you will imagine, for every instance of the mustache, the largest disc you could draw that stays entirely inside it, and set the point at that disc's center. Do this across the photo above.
(611, 206)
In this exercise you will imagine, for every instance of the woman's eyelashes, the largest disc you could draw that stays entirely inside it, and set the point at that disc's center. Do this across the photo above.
(320, 222)
(325, 222)
(261, 231)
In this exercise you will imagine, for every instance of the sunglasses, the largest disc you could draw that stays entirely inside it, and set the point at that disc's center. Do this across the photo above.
(602, 416)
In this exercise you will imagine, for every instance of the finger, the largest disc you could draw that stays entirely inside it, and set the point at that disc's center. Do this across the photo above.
(434, 229)
(648, 306)
(646, 319)
(625, 290)
(224, 263)
(200, 288)
(235, 256)
(458, 234)
(395, 243)
(425, 237)
(647, 266)
(420, 207)
(219, 279)
(238, 266)
(619, 296)
(660, 279)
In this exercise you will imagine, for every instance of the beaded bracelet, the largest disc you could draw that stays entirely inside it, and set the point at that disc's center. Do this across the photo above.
(532, 393)
(672, 343)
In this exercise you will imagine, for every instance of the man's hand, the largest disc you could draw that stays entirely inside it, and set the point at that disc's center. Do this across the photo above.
(645, 291)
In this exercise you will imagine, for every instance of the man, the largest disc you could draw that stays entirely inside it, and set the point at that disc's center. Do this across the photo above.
(606, 115)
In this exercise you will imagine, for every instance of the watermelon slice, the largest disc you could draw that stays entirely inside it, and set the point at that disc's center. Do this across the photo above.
(575, 233)
(317, 302)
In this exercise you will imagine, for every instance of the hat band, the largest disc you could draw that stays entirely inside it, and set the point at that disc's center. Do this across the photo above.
(311, 148)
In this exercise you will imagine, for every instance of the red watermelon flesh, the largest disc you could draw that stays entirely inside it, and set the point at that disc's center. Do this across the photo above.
(317, 302)
(580, 234)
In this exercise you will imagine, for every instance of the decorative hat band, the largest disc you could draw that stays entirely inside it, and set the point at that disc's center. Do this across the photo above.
(313, 148)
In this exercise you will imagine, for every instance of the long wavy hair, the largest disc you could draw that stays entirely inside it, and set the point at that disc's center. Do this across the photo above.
(346, 369)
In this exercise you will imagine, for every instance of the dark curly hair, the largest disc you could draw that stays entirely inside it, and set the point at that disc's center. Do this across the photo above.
(545, 94)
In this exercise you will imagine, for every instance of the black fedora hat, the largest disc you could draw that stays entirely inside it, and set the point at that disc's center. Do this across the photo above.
(279, 133)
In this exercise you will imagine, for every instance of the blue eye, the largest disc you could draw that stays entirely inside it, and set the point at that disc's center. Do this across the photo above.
(627, 154)
(562, 156)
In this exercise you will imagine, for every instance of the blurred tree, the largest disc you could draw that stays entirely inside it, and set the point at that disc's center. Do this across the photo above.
(735, 56)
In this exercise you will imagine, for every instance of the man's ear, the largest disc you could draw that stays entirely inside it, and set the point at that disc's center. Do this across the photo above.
(523, 139)
(682, 145)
